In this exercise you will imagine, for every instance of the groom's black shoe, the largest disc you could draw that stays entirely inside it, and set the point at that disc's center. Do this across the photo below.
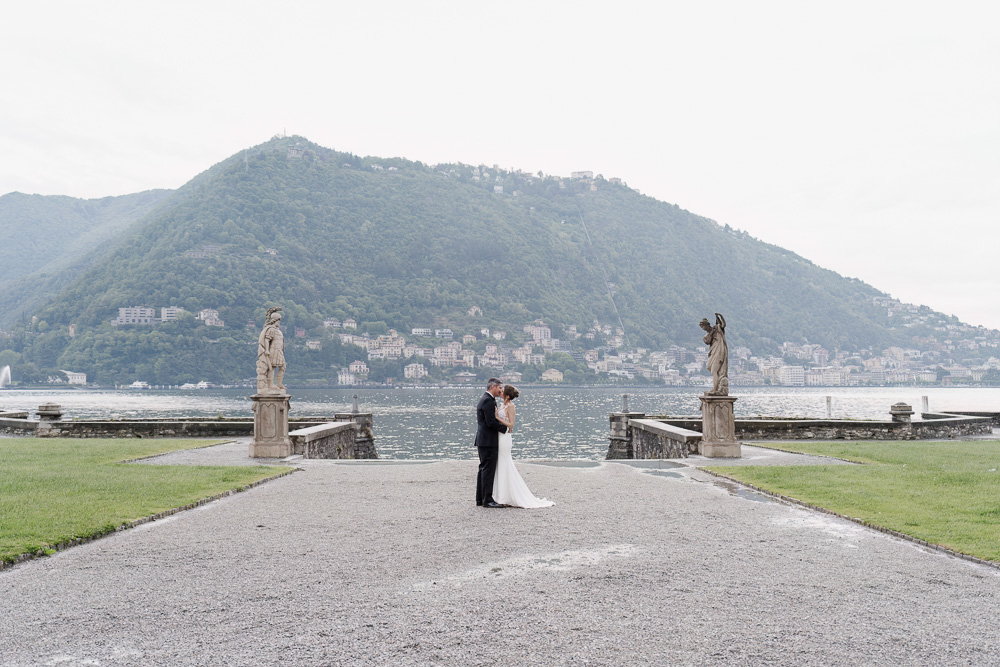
(492, 504)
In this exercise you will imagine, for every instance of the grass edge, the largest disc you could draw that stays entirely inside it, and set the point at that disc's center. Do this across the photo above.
(50, 549)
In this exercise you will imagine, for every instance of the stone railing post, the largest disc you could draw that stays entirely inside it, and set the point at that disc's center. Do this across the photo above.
(620, 444)
(49, 416)
(364, 437)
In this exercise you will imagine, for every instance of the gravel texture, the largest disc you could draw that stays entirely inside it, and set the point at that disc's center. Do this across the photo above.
(377, 563)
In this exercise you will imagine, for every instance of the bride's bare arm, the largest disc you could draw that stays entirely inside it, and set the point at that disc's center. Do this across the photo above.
(512, 415)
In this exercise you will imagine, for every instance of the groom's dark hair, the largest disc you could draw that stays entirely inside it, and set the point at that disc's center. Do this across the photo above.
(492, 382)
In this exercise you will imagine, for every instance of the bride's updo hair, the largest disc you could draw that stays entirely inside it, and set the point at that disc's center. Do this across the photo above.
(510, 391)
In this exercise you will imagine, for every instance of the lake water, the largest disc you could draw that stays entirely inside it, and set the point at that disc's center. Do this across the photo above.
(560, 423)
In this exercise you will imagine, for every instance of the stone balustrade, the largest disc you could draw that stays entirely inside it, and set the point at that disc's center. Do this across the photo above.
(653, 439)
(334, 440)
(348, 435)
(930, 427)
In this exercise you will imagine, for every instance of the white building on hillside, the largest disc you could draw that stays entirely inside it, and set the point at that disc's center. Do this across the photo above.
(136, 315)
(75, 378)
(414, 371)
(170, 313)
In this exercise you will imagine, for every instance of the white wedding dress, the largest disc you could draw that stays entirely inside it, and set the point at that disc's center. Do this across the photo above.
(508, 487)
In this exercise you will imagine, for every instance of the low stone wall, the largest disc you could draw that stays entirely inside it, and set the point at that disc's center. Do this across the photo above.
(936, 427)
(653, 439)
(151, 428)
(348, 435)
(993, 416)
(335, 440)
(629, 439)
(16, 425)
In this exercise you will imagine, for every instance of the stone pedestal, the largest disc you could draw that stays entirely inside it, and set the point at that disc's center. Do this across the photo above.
(621, 445)
(718, 428)
(900, 412)
(270, 426)
(49, 416)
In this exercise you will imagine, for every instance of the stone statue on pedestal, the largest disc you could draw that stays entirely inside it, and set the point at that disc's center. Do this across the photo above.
(718, 421)
(271, 404)
(271, 355)
(718, 355)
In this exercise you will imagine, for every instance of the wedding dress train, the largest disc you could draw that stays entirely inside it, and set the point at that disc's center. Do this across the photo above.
(508, 486)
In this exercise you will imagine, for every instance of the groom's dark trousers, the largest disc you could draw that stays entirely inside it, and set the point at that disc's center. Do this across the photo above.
(487, 429)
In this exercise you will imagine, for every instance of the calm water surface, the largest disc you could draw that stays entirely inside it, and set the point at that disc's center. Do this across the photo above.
(562, 423)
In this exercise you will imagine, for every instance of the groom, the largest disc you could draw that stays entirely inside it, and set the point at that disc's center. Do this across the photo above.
(488, 427)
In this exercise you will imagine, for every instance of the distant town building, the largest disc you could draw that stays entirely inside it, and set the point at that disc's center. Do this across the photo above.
(540, 334)
(552, 375)
(346, 377)
(136, 315)
(314, 345)
(170, 313)
(350, 323)
(421, 332)
(73, 377)
(792, 376)
(581, 174)
(511, 377)
(414, 371)
(358, 368)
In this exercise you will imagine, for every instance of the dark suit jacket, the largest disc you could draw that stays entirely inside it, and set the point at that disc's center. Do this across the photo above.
(488, 426)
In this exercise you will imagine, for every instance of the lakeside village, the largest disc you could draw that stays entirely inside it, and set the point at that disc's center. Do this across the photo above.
(951, 354)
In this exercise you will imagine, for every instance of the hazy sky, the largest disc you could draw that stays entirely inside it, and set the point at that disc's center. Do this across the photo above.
(864, 136)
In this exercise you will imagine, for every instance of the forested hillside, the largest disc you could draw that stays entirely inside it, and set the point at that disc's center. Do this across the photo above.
(49, 241)
(398, 244)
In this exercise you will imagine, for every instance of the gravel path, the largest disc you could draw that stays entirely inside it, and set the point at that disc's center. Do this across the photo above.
(377, 563)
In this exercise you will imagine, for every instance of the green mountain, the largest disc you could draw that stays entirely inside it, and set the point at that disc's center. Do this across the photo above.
(51, 241)
(399, 244)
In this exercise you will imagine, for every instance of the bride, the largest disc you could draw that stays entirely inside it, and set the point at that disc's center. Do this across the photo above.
(508, 487)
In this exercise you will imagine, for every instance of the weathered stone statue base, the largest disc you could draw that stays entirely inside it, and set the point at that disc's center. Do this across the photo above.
(718, 428)
(270, 426)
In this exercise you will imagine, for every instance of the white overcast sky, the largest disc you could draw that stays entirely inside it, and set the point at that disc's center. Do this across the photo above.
(864, 136)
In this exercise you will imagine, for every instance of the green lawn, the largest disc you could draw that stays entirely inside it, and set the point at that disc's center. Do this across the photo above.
(53, 490)
(946, 493)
